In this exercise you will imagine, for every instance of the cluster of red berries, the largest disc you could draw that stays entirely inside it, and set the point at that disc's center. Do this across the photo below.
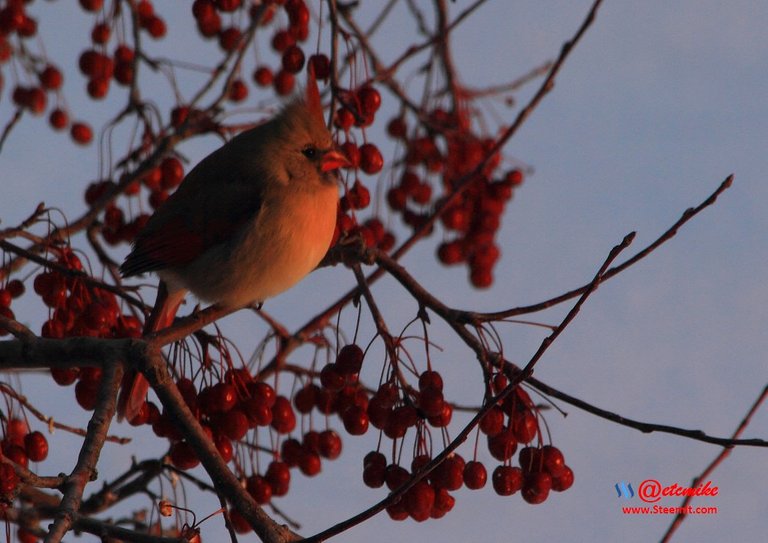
(285, 42)
(14, 20)
(516, 421)
(208, 16)
(159, 181)
(450, 149)
(100, 67)
(77, 310)
(513, 421)
(357, 111)
(19, 445)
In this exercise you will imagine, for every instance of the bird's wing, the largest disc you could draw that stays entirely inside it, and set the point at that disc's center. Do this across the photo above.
(210, 207)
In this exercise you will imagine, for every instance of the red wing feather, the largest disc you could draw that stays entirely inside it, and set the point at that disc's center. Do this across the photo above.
(173, 244)
(181, 238)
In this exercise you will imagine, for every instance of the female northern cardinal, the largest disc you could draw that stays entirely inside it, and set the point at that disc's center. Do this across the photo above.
(248, 222)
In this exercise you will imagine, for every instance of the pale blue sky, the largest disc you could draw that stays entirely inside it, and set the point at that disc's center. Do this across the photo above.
(657, 105)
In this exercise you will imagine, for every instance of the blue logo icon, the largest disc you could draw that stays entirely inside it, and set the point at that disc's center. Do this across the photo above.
(624, 490)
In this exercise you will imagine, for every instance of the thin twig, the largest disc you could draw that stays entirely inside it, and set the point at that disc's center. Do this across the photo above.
(645, 427)
(714, 464)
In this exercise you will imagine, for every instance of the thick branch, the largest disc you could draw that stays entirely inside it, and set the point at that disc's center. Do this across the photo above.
(85, 469)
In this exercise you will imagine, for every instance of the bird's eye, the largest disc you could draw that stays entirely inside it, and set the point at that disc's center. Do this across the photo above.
(309, 151)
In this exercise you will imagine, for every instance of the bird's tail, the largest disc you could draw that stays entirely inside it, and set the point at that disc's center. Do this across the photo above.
(134, 388)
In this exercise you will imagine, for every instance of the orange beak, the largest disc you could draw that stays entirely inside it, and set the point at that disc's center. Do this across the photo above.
(333, 160)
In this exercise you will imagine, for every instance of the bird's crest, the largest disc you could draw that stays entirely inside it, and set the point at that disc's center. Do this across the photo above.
(312, 97)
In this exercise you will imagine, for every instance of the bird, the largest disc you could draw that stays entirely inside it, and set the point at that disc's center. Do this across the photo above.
(248, 222)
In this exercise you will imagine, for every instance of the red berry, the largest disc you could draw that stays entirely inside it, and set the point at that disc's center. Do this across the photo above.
(536, 487)
(58, 119)
(475, 475)
(98, 88)
(5, 297)
(371, 159)
(430, 379)
(25, 536)
(370, 100)
(8, 479)
(123, 53)
(283, 417)
(350, 359)
(419, 500)
(179, 114)
(507, 480)
(259, 488)
(279, 477)
(481, 277)
(309, 463)
(396, 511)
(238, 91)
(442, 419)
(86, 393)
(344, 119)
(564, 481)
(397, 198)
(352, 152)
(431, 401)
(321, 65)
(234, 424)
(284, 82)
(224, 446)
(51, 78)
(502, 445)
(291, 452)
(263, 76)
(15, 287)
(514, 177)
(228, 5)
(374, 469)
(330, 444)
(331, 378)
(171, 173)
(124, 73)
(229, 38)
(81, 133)
(525, 426)
(16, 430)
(304, 399)
(397, 128)
(449, 474)
(183, 456)
(355, 420)
(282, 40)
(64, 376)
(209, 23)
(444, 502)
(101, 33)
(263, 392)
(493, 422)
(553, 460)
(238, 521)
(293, 59)
(395, 476)
(91, 5)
